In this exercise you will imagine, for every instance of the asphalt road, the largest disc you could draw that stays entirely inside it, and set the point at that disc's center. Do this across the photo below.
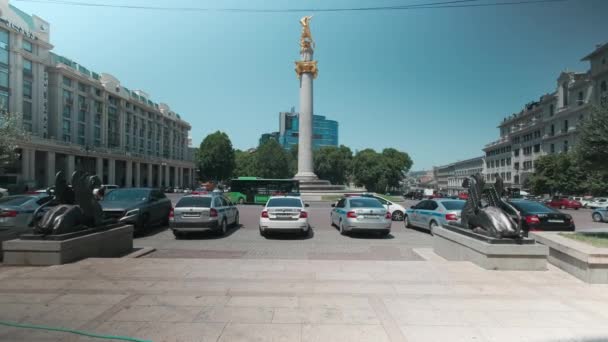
(324, 242)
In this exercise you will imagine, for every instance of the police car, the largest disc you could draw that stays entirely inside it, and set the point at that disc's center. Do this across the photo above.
(431, 213)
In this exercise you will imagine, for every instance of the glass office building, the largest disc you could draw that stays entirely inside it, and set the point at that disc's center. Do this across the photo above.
(325, 132)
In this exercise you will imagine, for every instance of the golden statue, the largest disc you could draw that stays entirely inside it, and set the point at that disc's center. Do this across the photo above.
(306, 41)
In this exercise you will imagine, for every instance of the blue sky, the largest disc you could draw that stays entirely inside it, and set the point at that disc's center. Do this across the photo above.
(432, 82)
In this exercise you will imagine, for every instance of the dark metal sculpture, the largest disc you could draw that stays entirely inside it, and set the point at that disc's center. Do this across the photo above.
(486, 213)
(73, 208)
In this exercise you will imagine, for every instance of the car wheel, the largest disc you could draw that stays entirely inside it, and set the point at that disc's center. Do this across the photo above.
(342, 231)
(262, 233)
(575, 208)
(178, 235)
(141, 223)
(406, 222)
(397, 215)
(597, 217)
(432, 226)
(236, 220)
(241, 200)
(223, 227)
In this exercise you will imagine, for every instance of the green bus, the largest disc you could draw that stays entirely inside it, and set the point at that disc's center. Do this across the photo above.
(258, 190)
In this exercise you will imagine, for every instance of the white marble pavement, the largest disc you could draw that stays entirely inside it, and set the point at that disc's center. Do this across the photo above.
(301, 300)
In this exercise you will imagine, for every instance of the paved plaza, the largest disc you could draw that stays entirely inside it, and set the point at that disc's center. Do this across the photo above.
(324, 287)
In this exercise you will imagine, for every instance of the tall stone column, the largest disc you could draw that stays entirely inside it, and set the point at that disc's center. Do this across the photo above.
(32, 170)
(129, 174)
(111, 171)
(137, 174)
(25, 164)
(50, 168)
(306, 69)
(167, 176)
(99, 167)
(71, 166)
(150, 182)
(175, 176)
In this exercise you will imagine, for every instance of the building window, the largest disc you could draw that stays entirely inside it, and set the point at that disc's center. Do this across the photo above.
(552, 130)
(551, 110)
(67, 111)
(3, 101)
(552, 148)
(27, 67)
(502, 162)
(27, 89)
(28, 46)
(565, 94)
(516, 166)
(67, 130)
(508, 176)
(98, 92)
(83, 87)
(536, 148)
(81, 130)
(565, 145)
(516, 152)
(565, 129)
(603, 86)
(4, 47)
(67, 82)
(580, 98)
(509, 161)
(3, 77)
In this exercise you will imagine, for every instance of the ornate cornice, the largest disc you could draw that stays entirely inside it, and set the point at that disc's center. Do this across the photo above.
(306, 67)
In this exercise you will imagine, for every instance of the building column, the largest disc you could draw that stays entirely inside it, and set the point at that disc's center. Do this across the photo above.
(25, 164)
(180, 177)
(175, 176)
(71, 166)
(129, 174)
(150, 178)
(167, 175)
(99, 167)
(137, 174)
(50, 168)
(32, 170)
(111, 171)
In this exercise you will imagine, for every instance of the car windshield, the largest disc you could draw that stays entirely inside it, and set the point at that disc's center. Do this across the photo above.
(14, 200)
(127, 195)
(453, 205)
(365, 203)
(284, 202)
(530, 206)
(194, 202)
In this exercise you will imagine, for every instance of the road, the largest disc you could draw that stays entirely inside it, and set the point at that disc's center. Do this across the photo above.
(324, 243)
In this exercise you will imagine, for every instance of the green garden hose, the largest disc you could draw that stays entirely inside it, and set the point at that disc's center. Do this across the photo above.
(72, 331)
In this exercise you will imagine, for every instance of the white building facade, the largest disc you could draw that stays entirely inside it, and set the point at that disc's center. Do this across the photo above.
(548, 125)
(79, 119)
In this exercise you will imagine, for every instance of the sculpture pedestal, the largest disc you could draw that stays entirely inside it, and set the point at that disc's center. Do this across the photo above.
(488, 254)
(109, 243)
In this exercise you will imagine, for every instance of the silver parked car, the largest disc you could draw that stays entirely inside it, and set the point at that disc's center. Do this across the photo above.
(600, 215)
(361, 214)
(429, 214)
(196, 213)
(16, 213)
(284, 214)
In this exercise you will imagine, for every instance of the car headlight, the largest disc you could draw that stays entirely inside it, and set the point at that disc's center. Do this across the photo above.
(132, 212)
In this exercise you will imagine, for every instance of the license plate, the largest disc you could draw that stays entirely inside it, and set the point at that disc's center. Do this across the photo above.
(555, 221)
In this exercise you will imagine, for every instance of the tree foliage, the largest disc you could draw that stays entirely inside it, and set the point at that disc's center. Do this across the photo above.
(245, 164)
(11, 132)
(593, 141)
(333, 163)
(557, 173)
(216, 157)
(271, 160)
(380, 171)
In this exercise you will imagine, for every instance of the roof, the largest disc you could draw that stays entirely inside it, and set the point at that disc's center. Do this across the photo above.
(599, 49)
(26, 17)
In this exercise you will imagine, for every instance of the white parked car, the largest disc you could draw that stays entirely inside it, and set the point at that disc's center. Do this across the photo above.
(284, 214)
(598, 202)
(585, 201)
(397, 211)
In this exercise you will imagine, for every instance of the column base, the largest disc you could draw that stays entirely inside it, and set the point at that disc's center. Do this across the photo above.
(306, 176)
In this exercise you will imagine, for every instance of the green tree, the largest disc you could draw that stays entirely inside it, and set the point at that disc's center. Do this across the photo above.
(292, 158)
(558, 173)
(216, 157)
(11, 132)
(333, 163)
(397, 165)
(368, 170)
(245, 164)
(593, 139)
(271, 160)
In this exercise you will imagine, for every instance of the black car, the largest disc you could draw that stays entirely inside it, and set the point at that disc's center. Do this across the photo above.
(538, 217)
(137, 206)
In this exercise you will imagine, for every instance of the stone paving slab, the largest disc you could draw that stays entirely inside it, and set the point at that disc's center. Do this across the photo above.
(317, 300)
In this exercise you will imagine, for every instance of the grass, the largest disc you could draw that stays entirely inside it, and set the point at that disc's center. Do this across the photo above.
(333, 198)
(594, 239)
